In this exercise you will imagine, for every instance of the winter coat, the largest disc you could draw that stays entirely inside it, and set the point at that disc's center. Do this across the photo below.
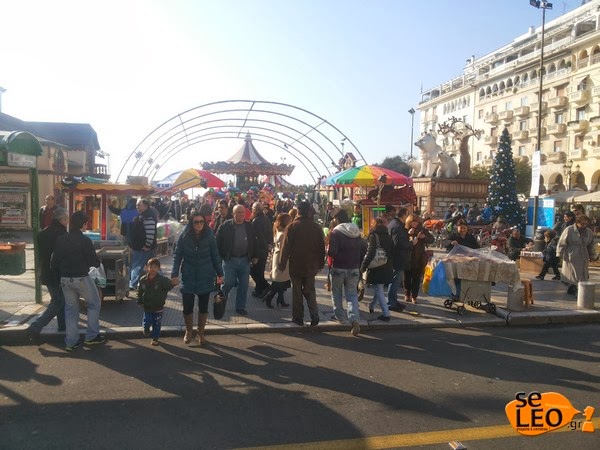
(276, 274)
(515, 245)
(143, 231)
(417, 253)
(263, 228)
(226, 238)
(469, 241)
(304, 247)
(346, 246)
(382, 274)
(73, 255)
(152, 295)
(46, 243)
(401, 245)
(576, 248)
(549, 252)
(199, 261)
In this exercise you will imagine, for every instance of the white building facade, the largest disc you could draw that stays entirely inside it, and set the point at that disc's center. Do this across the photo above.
(501, 90)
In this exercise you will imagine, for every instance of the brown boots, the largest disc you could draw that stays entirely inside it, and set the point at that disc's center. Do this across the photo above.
(189, 328)
(202, 318)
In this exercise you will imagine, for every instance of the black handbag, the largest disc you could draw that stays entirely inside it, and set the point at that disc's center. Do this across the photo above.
(219, 303)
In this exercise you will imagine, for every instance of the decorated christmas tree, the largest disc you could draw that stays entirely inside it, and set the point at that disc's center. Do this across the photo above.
(502, 195)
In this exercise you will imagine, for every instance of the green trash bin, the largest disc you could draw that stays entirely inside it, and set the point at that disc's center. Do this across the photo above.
(12, 258)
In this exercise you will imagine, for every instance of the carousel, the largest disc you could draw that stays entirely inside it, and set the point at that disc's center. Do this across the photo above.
(249, 167)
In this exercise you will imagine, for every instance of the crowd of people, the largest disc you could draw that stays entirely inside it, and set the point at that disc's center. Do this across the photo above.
(225, 245)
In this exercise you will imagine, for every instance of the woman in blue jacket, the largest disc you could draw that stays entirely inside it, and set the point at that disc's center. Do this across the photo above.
(197, 257)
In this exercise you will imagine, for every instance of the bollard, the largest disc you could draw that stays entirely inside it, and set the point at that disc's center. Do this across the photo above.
(515, 300)
(586, 291)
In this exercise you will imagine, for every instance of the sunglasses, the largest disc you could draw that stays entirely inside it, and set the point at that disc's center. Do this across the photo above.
(196, 222)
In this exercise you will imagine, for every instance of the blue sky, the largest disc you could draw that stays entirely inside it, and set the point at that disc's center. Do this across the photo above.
(126, 66)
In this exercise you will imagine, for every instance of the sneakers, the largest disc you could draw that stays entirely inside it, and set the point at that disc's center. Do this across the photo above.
(146, 332)
(70, 348)
(396, 308)
(540, 277)
(241, 312)
(97, 340)
(154, 342)
(299, 322)
(384, 318)
(335, 319)
(355, 328)
(33, 336)
(556, 277)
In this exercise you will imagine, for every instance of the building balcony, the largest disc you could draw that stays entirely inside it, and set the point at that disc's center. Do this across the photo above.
(535, 106)
(533, 132)
(578, 126)
(557, 128)
(490, 140)
(580, 97)
(559, 102)
(595, 152)
(595, 122)
(505, 115)
(491, 118)
(487, 162)
(521, 111)
(521, 135)
(596, 91)
(556, 157)
(578, 153)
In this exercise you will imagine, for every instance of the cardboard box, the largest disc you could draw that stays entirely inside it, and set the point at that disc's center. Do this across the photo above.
(531, 264)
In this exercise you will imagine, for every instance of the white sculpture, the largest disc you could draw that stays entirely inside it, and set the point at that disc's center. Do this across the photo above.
(429, 155)
(415, 166)
(448, 166)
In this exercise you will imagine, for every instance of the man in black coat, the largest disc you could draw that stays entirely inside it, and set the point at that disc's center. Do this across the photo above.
(264, 235)
(46, 243)
(401, 248)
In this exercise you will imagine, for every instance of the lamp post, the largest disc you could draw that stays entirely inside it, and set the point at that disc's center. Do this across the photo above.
(543, 6)
(412, 111)
(567, 173)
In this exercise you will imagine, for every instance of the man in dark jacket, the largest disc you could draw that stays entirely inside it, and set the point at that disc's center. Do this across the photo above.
(304, 247)
(347, 249)
(73, 256)
(142, 242)
(401, 248)
(264, 236)
(238, 249)
(46, 243)
(224, 214)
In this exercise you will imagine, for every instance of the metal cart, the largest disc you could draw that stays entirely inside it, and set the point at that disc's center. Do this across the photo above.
(116, 266)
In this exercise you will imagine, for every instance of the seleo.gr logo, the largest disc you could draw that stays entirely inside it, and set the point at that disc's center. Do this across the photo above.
(536, 413)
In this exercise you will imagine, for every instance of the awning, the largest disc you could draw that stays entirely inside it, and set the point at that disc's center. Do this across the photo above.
(592, 197)
(20, 142)
(110, 188)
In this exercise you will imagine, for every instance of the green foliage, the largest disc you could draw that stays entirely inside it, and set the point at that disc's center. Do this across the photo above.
(523, 176)
(480, 172)
(397, 164)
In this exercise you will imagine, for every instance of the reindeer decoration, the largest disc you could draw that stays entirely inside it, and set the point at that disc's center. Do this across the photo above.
(461, 135)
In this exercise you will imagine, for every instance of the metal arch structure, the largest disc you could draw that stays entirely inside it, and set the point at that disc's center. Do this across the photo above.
(306, 137)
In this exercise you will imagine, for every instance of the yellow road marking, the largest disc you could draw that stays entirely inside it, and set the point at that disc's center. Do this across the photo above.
(413, 439)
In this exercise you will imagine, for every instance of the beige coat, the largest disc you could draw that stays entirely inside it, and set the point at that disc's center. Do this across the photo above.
(576, 250)
(276, 274)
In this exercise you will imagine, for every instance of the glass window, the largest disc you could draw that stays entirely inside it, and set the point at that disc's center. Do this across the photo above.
(557, 146)
(578, 141)
(524, 101)
(521, 150)
(494, 109)
(580, 113)
(523, 125)
(559, 118)
(480, 114)
(508, 106)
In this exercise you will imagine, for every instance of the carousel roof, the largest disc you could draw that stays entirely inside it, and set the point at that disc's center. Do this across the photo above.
(247, 161)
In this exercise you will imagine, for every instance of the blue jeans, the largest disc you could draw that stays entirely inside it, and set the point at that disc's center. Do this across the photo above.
(139, 258)
(237, 273)
(153, 319)
(379, 297)
(346, 280)
(56, 308)
(74, 289)
(393, 287)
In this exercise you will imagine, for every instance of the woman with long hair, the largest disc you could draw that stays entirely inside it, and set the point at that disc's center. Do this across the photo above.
(280, 279)
(379, 276)
(197, 257)
(420, 238)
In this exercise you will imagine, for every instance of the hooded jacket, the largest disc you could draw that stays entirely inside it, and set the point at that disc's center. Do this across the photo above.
(346, 246)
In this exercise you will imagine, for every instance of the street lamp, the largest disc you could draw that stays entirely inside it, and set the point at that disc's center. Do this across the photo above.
(567, 173)
(543, 6)
(412, 111)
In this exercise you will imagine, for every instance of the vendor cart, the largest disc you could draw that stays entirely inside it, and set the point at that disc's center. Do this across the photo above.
(470, 273)
(116, 263)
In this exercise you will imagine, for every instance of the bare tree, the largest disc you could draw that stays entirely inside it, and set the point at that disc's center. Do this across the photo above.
(460, 135)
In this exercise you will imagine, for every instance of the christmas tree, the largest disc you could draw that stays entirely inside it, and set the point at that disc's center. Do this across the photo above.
(502, 195)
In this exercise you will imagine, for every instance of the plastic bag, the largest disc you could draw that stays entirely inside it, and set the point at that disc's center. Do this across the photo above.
(438, 286)
(98, 275)
(427, 276)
